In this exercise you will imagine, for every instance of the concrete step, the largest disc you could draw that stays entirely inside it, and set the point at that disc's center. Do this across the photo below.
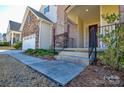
(77, 49)
(74, 54)
(74, 59)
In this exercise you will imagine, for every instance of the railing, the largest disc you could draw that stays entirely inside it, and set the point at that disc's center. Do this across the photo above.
(104, 30)
(95, 42)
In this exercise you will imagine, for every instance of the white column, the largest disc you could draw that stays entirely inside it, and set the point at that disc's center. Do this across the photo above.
(20, 38)
(12, 39)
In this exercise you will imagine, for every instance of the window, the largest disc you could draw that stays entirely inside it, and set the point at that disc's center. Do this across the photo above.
(46, 9)
(29, 19)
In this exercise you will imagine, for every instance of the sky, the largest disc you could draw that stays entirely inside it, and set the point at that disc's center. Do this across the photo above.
(14, 13)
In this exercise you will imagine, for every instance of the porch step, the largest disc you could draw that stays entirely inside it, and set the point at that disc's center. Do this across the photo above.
(76, 54)
(74, 57)
(77, 49)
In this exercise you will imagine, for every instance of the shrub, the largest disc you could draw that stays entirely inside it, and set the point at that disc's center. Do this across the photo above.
(4, 43)
(114, 54)
(40, 52)
(17, 45)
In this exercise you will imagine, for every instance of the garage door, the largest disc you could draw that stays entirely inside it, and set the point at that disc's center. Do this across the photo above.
(28, 42)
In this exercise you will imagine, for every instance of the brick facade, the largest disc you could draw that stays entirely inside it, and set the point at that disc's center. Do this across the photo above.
(31, 27)
(61, 13)
(61, 27)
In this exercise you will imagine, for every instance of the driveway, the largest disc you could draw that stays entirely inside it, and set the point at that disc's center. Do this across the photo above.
(59, 71)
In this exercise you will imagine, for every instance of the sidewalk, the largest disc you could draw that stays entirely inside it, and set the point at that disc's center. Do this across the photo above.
(59, 71)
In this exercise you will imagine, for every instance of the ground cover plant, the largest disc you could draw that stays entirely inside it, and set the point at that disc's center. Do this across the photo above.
(48, 54)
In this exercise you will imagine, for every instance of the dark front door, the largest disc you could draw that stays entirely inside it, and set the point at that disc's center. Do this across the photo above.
(92, 36)
(92, 43)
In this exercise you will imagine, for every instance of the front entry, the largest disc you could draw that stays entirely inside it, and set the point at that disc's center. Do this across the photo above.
(92, 35)
(92, 43)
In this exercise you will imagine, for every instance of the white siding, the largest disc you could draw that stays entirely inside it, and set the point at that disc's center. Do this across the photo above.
(45, 36)
(52, 14)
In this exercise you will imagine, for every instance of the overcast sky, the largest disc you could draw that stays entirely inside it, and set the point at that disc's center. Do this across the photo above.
(12, 12)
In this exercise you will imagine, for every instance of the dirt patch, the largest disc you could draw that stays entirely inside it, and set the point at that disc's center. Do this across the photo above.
(98, 76)
(6, 48)
(46, 57)
(16, 74)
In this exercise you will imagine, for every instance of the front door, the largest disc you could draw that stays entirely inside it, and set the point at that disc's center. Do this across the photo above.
(92, 36)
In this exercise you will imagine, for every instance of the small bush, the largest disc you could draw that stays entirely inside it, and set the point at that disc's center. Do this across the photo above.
(4, 43)
(40, 52)
(17, 45)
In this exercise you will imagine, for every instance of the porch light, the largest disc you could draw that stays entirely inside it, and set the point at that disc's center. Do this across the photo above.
(86, 10)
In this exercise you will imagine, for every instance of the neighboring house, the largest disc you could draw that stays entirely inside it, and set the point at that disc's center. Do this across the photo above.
(13, 34)
(36, 30)
(0, 37)
(4, 39)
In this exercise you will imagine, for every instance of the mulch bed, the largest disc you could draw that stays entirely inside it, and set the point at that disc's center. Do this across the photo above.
(49, 58)
(98, 76)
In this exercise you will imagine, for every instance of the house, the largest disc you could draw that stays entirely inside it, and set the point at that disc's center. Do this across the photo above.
(72, 29)
(36, 30)
(13, 34)
(4, 39)
(0, 37)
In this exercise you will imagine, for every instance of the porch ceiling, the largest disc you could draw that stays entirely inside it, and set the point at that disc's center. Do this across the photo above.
(86, 11)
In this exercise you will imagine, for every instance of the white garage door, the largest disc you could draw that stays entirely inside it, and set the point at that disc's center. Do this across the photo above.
(45, 36)
(28, 42)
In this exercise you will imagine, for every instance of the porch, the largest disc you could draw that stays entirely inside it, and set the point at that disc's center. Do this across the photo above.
(81, 22)
(79, 42)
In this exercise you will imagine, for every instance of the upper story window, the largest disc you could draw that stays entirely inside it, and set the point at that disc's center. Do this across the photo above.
(29, 19)
(46, 9)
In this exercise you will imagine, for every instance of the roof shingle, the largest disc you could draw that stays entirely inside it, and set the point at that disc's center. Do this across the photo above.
(14, 25)
(39, 14)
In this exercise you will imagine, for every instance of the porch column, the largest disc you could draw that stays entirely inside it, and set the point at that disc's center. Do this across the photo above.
(20, 38)
(66, 30)
(12, 39)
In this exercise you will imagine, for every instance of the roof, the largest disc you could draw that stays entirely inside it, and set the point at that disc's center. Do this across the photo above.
(4, 34)
(39, 14)
(14, 25)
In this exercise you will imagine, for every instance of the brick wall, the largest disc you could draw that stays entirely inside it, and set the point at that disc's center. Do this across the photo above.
(31, 27)
(61, 13)
(61, 26)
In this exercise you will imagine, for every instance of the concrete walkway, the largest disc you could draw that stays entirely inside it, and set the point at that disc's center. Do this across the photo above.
(59, 71)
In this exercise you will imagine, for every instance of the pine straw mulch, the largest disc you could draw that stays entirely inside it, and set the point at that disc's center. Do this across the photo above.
(98, 76)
